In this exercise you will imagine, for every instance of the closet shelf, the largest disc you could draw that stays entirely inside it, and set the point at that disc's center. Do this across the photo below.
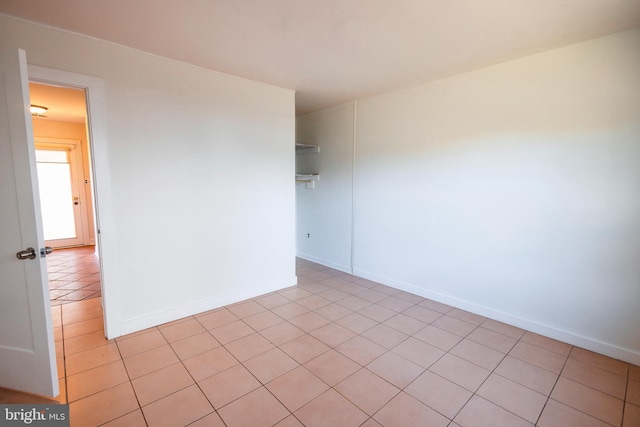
(307, 148)
(306, 177)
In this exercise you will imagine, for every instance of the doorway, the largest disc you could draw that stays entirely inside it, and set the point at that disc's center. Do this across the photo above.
(63, 162)
(93, 90)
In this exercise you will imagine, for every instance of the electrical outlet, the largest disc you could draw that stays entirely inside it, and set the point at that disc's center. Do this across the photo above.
(308, 235)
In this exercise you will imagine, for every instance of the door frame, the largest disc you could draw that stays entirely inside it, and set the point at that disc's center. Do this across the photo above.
(74, 148)
(101, 180)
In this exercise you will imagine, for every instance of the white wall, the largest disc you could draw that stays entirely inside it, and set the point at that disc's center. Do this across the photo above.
(201, 167)
(513, 192)
(324, 213)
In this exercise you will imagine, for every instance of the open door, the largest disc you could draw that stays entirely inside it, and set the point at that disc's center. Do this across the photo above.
(27, 350)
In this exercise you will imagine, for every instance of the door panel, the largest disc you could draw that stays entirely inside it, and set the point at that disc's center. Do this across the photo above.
(27, 350)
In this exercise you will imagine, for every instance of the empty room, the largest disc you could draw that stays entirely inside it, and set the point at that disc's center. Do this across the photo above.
(304, 213)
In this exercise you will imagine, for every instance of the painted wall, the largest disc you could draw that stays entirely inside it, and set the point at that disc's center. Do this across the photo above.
(45, 128)
(512, 191)
(323, 215)
(201, 167)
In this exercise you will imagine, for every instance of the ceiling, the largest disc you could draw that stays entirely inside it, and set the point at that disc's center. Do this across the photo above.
(334, 51)
(64, 104)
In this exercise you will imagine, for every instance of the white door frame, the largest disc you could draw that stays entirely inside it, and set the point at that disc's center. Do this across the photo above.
(105, 224)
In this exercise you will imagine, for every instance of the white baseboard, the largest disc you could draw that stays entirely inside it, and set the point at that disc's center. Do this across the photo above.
(154, 319)
(326, 263)
(594, 345)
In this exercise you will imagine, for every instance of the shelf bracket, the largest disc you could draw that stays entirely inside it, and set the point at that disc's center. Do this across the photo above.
(308, 179)
(307, 148)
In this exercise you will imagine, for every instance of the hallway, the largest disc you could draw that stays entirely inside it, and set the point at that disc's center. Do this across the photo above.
(74, 275)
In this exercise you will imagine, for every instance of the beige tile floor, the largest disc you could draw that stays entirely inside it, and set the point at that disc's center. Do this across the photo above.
(335, 350)
(74, 275)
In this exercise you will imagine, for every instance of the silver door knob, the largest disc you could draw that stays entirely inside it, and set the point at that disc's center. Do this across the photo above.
(45, 251)
(28, 253)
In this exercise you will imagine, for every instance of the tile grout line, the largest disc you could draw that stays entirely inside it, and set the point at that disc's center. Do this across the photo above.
(626, 391)
(474, 393)
(132, 388)
(64, 361)
(196, 383)
(555, 383)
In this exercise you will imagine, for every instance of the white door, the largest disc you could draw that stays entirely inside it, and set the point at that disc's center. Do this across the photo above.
(60, 192)
(27, 350)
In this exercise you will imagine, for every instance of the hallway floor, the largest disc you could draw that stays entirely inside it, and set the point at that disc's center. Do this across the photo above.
(74, 274)
(336, 350)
